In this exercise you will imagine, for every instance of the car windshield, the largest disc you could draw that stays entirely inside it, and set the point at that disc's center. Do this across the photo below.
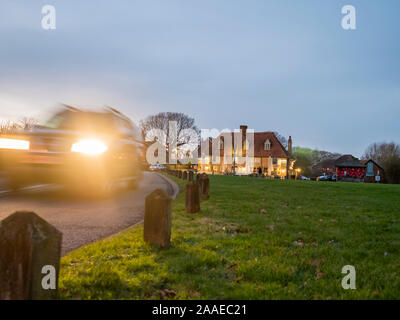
(82, 121)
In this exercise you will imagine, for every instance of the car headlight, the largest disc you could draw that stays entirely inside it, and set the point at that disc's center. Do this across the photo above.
(14, 144)
(90, 147)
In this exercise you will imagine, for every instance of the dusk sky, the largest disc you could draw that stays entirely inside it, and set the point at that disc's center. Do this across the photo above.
(280, 65)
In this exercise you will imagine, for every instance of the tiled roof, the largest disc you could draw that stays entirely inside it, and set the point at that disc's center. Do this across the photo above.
(347, 158)
(366, 161)
(277, 150)
(351, 164)
(349, 161)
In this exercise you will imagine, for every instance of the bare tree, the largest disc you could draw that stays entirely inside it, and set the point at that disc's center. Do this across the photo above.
(380, 152)
(27, 123)
(8, 127)
(281, 139)
(161, 121)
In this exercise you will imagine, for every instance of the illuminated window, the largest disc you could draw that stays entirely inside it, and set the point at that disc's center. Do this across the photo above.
(267, 145)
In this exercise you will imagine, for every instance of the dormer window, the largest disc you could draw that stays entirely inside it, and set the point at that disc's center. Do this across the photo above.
(267, 145)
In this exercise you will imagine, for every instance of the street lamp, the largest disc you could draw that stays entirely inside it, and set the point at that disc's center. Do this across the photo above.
(298, 170)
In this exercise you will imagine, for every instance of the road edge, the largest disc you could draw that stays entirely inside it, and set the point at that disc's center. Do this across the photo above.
(175, 189)
(173, 184)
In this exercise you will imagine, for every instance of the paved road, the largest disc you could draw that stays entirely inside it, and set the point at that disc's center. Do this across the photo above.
(81, 220)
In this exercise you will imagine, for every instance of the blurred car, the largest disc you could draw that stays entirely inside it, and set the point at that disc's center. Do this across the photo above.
(155, 167)
(333, 177)
(323, 178)
(86, 149)
(304, 178)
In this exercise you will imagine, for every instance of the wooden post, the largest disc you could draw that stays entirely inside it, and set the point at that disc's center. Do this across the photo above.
(30, 250)
(157, 219)
(184, 175)
(192, 197)
(204, 187)
(191, 176)
(180, 174)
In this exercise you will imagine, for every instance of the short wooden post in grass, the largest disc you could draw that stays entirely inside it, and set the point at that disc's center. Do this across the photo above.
(180, 174)
(30, 250)
(157, 219)
(192, 197)
(198, 178)
(190, 175)
(184, 175)
(204, 187)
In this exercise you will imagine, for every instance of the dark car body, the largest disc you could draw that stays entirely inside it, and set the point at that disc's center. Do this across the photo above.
(114, 150)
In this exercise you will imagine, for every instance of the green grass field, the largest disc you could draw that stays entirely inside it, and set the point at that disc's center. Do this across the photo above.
(254, 239)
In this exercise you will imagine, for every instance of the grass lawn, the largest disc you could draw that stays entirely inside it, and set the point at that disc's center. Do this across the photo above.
(254, 239)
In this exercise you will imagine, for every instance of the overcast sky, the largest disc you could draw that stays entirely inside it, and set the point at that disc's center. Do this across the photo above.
(277, 65)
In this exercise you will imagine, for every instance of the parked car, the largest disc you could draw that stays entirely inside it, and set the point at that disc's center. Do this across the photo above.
(304, 178)
(323, 178)
(333, 177)
(86, 149)
(155, 167)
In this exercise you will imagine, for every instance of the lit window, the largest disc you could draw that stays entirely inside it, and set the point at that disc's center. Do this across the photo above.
(267, 145)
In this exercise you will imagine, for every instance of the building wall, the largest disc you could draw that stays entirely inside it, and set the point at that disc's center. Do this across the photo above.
(267, 165)
(377, 172)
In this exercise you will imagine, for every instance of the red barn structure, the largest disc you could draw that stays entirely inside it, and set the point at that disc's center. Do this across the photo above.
(350, 171)
(353, 170)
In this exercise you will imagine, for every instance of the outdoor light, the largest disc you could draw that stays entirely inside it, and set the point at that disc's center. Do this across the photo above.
(91, 147)
(14, 144)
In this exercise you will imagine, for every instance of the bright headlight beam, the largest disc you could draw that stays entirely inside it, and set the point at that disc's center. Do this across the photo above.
(91, 147)
(14, 144)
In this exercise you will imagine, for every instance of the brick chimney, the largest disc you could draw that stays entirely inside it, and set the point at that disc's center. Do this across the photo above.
(243, 130)
(290, 145)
